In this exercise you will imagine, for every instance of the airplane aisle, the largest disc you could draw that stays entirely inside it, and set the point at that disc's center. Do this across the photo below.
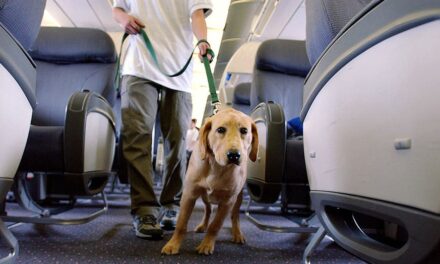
(110, 239)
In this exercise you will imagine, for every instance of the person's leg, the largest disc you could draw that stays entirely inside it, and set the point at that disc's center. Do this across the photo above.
(139, 105)
(175, 115)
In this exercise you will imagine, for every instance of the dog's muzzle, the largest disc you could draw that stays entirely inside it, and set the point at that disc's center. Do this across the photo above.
(233, 157)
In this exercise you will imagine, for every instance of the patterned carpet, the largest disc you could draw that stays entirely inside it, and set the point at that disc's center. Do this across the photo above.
(110, 239)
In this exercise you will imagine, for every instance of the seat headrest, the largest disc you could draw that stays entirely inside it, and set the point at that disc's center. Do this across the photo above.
(73, 45)
(283, 56)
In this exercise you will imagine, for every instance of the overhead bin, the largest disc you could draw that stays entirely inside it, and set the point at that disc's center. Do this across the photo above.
(241, 15)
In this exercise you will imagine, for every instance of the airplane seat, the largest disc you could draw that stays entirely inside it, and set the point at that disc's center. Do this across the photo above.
(280, 68)
(371, 126)
(276, 96)
(72, 140)
(241, 97)
(19, 24)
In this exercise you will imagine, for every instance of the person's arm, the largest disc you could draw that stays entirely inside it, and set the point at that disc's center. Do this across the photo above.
(130, 24)
(200, 30)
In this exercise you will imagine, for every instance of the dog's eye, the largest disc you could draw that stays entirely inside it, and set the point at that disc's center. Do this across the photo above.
(221, 130)
(243, 131)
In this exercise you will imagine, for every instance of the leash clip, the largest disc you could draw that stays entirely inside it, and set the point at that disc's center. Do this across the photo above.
(215, 107)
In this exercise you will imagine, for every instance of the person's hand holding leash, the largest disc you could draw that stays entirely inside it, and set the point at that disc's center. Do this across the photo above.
(130, 24)
(203, 47)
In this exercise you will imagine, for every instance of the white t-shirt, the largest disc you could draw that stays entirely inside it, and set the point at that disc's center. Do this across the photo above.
(168, 26)
(191, 138)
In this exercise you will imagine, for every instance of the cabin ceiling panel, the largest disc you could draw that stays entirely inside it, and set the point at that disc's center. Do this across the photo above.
(80, 12)
(216, 21)
(58, 14)
(287, 20)
(98, 14)
(285, 11)
(240, 18)
(296, 27)
(103, 11)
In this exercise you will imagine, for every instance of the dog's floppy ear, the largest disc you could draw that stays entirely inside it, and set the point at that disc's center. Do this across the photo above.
(254, 144)
(203, 139)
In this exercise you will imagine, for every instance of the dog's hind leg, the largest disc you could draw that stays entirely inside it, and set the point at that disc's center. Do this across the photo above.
(205, 221)
(237, 235)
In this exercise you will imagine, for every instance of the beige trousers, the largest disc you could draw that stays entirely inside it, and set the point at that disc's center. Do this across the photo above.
(142, 101)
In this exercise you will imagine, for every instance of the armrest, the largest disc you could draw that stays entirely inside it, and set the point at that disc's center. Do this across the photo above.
(80, 106)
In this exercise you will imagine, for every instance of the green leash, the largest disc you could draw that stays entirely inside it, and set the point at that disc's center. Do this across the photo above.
(214, 99)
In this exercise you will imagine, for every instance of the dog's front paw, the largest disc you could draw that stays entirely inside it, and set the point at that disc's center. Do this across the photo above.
(206, 247)
(238, 237)
(201, 228)
(170, 248)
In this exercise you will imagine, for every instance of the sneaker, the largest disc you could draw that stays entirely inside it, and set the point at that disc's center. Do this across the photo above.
(147, 227)
(169, 219)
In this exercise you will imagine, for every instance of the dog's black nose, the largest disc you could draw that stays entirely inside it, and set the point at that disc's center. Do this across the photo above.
(233, 156)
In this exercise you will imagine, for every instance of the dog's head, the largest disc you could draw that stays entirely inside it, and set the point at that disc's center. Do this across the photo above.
(230, 136)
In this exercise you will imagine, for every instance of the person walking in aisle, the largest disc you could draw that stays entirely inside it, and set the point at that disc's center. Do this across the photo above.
(145, 92)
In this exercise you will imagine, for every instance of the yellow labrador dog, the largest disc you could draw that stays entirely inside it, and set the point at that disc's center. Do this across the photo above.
(217, 173)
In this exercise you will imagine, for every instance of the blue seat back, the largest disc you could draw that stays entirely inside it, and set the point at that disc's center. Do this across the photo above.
(280, 69)
(23, 19)
(325, 19)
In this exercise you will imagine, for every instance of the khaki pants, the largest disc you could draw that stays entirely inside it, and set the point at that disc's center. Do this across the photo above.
(139, 106)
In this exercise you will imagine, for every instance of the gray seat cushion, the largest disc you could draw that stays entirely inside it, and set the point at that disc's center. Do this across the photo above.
(56, 83)
(286, 90)
(241, 100)
(280, 69)
(242, 93)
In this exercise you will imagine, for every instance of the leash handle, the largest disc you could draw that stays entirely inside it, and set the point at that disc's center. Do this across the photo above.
(208, 50)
